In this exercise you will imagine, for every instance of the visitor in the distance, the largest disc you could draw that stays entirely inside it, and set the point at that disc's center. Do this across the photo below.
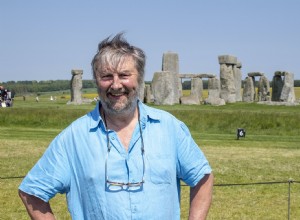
(123, 160)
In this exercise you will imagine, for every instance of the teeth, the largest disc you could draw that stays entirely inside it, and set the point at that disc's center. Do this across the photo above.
(117, 94)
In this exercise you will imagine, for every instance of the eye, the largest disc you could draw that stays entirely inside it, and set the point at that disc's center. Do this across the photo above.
(106, 77)
(124, 75)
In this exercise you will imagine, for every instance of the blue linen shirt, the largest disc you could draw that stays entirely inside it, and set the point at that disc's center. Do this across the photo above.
(74, 163)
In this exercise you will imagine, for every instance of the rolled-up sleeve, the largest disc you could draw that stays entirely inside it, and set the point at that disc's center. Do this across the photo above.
(192, 163)
(51, 173)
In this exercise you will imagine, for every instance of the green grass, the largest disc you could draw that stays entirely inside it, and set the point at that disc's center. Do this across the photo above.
(270, 152)
(297, 92)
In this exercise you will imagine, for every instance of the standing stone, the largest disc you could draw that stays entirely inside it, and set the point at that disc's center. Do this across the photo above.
(170, 62)
(76, 86)
(141, 92)
(288, 93)
(227, 77)
(165, 88)
(148, 94)
(277, 85)
(214, 92)
(253, 75)
(249, 90)
(263, 89)
(238, 81)
(196, 93)
(197, 88)
(213, 88)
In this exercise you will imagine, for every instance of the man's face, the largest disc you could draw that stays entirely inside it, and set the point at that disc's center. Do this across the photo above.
(118, 87)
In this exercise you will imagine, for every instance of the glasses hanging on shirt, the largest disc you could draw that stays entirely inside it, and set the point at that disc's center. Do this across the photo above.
(118, 186)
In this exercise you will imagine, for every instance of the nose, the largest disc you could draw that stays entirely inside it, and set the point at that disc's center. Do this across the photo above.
(116, 83)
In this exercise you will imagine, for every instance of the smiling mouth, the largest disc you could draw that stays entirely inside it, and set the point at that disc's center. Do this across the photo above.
(116, 95)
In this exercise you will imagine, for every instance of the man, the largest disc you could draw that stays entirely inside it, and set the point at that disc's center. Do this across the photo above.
(123, 160)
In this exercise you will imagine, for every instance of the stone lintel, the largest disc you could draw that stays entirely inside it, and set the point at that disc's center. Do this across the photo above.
(239, 64)
(76, 72)
(279, 73)
(227, 59)
(197, 75)
(252, 74)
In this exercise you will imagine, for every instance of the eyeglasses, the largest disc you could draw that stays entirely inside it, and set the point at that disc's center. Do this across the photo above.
(116, 186)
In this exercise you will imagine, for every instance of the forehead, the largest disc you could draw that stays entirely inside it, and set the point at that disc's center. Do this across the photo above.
(125, 63)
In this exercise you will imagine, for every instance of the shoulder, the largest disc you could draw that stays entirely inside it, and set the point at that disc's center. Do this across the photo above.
(165, 118)
(83, 124)
(158, 114)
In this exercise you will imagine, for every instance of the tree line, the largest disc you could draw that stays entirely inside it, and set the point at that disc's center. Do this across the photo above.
(25, 87)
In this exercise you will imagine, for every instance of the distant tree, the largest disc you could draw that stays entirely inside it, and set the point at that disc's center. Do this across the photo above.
(24, 87)
(88, 84)
(186, 85)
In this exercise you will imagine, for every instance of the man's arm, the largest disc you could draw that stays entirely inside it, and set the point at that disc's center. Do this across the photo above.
(200, 198)
(36, 208)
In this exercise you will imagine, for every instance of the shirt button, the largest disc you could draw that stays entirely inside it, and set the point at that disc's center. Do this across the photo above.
(113, 138)
(134, 209)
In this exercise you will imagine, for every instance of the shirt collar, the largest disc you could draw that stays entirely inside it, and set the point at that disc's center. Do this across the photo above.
(96, 117)
(146, 114)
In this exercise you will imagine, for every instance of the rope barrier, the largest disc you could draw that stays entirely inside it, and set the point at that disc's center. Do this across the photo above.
(217, 185)
(11, 177)
(289, 182)
(255, 183)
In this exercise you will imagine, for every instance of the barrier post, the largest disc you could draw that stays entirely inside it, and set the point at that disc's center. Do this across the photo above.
(289, 198)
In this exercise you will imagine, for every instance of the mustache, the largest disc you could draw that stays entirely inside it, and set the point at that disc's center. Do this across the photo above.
(118, 91)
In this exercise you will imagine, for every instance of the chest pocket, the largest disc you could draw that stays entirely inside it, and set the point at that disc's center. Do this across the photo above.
(160, 169)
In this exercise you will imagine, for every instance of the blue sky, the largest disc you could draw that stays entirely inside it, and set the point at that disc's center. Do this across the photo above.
(45, 40)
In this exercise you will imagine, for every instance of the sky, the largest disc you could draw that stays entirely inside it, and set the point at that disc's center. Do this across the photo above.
(45, 40)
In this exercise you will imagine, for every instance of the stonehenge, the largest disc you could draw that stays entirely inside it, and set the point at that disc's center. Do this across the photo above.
(166, 85)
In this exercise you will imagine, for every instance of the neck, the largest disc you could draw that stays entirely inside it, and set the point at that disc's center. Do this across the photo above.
(119, 121)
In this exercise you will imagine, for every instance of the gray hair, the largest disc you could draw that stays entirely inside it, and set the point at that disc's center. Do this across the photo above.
(113, 52)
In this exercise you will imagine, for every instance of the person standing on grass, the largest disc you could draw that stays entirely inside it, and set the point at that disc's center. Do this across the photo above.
(124, 159)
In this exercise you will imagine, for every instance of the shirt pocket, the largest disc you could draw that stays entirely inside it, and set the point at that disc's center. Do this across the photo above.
(160, 170)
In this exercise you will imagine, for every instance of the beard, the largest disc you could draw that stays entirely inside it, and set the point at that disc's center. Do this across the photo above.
(118, 107)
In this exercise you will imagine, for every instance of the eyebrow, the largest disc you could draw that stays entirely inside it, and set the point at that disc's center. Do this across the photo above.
(118, 72)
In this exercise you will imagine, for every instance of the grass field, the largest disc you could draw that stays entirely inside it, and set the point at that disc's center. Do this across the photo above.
(270, 153)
